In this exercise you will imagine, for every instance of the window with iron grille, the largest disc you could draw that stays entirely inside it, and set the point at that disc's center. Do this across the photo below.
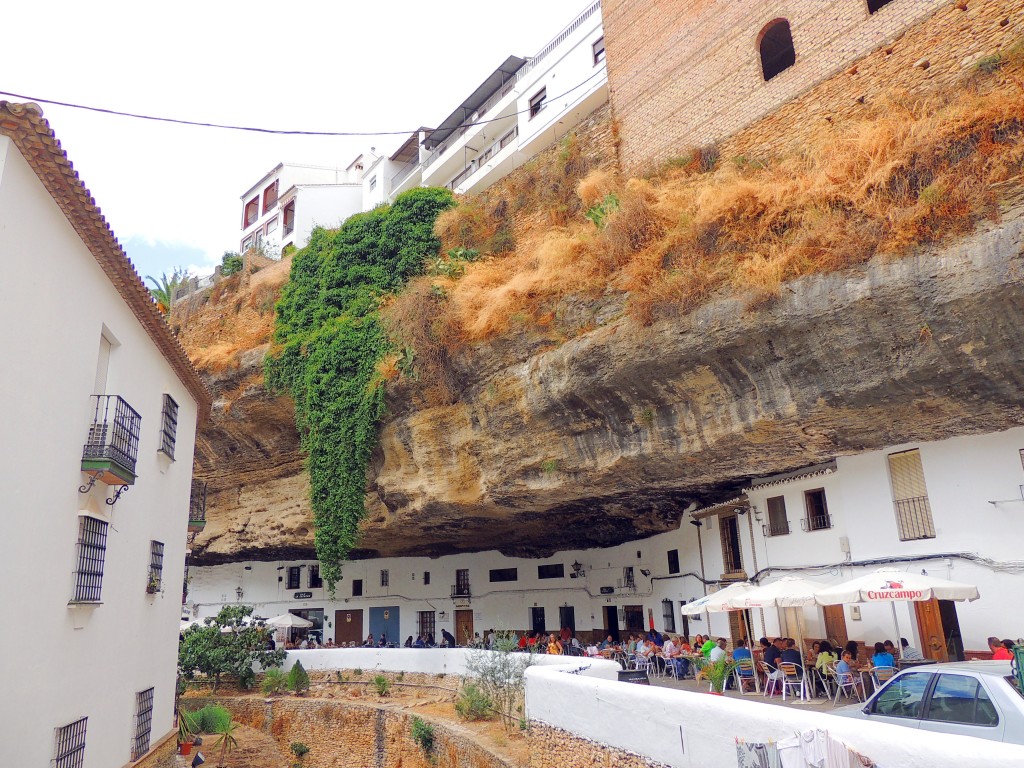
(628, 579)
(553, 571)
(294, 577)
(426, 577)
(92, 551)
(385, 577)
(168, 426)
(156, 566)
(69, 745)
(425, 624)
(818, 518)
(673, 561)
(668, 616)
(910, 496)
(778, 522)
(357, 587)
(315, 582)
(143, 722)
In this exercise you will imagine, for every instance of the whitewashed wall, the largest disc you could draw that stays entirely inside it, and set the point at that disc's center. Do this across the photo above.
(696, 730)
(62, 663)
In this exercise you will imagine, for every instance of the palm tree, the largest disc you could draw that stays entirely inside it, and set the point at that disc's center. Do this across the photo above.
(227, 741)
(163, 289)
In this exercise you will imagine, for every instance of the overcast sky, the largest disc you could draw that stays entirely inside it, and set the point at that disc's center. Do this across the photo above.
(171, 193)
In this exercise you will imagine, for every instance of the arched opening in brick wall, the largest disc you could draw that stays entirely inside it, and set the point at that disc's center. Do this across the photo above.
(776, 47)
(874, 5)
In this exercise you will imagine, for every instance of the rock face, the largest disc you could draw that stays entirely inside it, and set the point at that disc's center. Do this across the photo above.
(612, 435)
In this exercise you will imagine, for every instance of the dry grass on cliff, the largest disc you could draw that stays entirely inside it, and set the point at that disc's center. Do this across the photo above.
(237, 315)
(914, 172)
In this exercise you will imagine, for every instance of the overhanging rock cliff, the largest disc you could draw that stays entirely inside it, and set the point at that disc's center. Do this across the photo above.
(611, 435)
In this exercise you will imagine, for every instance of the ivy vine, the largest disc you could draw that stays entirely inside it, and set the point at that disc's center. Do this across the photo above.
(328, 340)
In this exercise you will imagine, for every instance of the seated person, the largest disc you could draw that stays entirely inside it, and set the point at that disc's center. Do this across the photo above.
(882, 658)
(791, 655)
(608, 643)
(418, 642)
(741, 652)
(844, 669)
(999, 651)
(554, 645)
(370, 642)
(408, 642)
(812, 655)
(772, 657)
(706, 648)
(909, 652)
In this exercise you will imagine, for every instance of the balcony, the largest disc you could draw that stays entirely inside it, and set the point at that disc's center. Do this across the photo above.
(197, 507)
(816, 523)
(775, 529)
(460, 590)
(112, 446)
(914, 518)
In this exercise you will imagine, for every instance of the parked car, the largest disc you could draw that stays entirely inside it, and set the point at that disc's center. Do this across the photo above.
(974, 698)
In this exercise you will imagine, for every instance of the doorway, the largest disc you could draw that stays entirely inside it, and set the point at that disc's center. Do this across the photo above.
(835, 624)
(634, 615)
(611, 622)
(729, 529)
(348, 627)
(315, 615)
(567, 618)
(384, 621)
(464, 627)
(537, 620)
(939, 630)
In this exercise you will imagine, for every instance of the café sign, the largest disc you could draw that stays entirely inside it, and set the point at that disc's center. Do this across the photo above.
(303, 595)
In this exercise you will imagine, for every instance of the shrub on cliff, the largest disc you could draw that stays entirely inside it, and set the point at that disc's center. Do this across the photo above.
(328, 342)
(298, 678)
(226, 645)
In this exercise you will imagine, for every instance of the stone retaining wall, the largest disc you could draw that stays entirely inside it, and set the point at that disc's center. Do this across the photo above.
(351, 734)
(161, 753)
(551, 746)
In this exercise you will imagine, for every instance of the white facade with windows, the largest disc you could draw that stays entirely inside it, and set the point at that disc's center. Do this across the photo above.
(282, 208)
(839, 520)
(89, 587)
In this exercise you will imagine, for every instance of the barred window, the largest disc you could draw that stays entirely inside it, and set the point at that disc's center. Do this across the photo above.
(426, 578)
(169, 426)
(385, 577)
(910, 496)
(295, 577)
(92, 550)
(69, 745)
(315, 582)
(425, 626)
(143, 722)
(668, 616)
(156, 566)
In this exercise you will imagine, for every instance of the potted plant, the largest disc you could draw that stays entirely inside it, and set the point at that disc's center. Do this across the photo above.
(187, 727)
(153, 585)
(717, 673)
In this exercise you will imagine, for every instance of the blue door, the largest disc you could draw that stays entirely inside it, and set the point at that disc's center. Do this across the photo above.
(385, 620)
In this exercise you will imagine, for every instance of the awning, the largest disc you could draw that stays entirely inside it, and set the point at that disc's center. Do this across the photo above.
(484, 91)
(732, 505)
(815, 470)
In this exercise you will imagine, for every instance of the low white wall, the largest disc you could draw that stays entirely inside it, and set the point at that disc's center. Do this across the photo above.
(449, 661)
(683, 728)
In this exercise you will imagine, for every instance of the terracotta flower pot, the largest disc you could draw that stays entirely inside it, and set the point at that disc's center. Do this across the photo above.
(185, 747)
(717, 693)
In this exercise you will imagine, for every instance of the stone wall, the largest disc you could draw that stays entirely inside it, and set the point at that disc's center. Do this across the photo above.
(551, 746)
(686, 73)
(348, 734)
(161, 753)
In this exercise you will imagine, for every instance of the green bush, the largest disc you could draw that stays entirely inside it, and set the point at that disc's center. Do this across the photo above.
(599, 213)
(328, 341)
(473, 704)
(423, 735)
(213, 718)
(298, 678)
(231, 263)
(299, 749)
(274, 681)
(382, 685)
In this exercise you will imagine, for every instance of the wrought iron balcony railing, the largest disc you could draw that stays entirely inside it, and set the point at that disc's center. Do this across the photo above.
(816, 523)
(776, 529)
(460, 590)
(914, 518)
(197, 507)
(112, 446)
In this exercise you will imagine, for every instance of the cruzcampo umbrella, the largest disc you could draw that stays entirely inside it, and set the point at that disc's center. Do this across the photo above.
(289, 621)
(888, 585)
(787, 592)
(720, 601)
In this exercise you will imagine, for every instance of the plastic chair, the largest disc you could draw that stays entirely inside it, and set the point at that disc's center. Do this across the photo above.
(881, 675)
(791, 679)
(846, 682)
(744, 676)
(773, 679)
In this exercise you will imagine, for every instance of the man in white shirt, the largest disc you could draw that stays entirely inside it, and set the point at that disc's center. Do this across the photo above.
(718, 652)
(909, 652)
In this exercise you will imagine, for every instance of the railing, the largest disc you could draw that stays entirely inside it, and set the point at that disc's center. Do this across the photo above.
(775, 529)
(402, 175)
(816, 523)
(468, 122)
(914, 518)
(484, 157)
(114, 433)
(558, 40)
(460, 590)
(197, 506)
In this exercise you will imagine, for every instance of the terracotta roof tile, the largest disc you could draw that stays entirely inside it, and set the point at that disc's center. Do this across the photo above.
(25, 126)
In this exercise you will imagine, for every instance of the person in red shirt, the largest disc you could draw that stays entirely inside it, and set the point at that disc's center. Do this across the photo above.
(1000, 651)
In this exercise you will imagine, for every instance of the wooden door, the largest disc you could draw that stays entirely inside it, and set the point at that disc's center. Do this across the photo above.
(929, 625)
(348, 627)
(464, 627)
(835, 624)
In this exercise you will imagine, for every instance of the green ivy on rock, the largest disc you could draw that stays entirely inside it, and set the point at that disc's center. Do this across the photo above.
(328, 340)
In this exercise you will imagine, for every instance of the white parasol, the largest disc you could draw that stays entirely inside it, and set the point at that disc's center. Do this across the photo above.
(289, 621)
(720, 601)
(888, 585)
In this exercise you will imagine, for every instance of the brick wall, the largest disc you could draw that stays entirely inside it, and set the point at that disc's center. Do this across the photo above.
(685, 73)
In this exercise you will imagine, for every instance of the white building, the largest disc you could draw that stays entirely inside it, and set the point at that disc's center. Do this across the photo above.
(90, 579)
(522, 108)
(282, 208)
(953, 508)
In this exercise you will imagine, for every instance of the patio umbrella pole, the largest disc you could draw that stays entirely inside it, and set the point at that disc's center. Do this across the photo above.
(897, 623)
